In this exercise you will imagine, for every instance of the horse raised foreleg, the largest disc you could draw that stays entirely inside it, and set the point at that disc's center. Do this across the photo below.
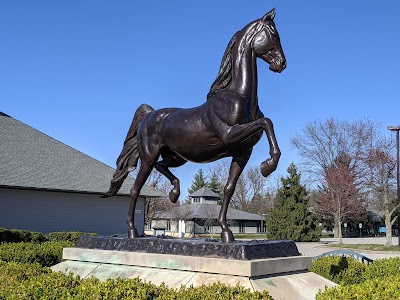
(232, 134)
(268, 166)
(237, 166)
(141, 178)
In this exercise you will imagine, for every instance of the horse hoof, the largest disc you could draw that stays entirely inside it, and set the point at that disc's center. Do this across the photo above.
(132, 233)
(267, 167)
(174, 195)
(227, 236)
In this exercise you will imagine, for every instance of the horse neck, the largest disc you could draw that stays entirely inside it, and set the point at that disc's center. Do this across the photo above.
(244, 75)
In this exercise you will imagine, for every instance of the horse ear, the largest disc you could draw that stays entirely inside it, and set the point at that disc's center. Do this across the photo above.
(269, 16)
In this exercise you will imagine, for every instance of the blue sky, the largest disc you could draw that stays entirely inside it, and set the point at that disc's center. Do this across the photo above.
(77, 70)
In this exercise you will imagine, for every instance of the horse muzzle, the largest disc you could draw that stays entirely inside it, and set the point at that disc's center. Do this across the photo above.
(278, 67)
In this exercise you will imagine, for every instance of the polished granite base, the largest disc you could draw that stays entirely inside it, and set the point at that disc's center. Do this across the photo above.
(239, 250)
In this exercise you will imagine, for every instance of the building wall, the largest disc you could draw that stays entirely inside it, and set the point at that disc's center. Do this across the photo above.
(46, 211)
(171, 227)
(204, 200)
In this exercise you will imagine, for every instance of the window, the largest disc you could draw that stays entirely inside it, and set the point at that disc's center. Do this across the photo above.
(168, 227)
(260, 228)
(241, 226)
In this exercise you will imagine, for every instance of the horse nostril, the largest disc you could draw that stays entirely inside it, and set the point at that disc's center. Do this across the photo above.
(284, 64)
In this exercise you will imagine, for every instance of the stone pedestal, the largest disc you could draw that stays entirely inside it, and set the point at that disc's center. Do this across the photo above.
(284, 277)
(240, 250)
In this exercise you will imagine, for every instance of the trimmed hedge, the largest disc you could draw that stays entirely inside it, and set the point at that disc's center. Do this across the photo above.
(341, 270)
(45, 254)
(375, 289)
(378, 280)
(31, 281)
(70, 236)
(383, 268)
(346, 270)
(18, 236)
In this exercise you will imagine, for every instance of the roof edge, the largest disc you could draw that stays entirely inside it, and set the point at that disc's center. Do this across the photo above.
(13, 187)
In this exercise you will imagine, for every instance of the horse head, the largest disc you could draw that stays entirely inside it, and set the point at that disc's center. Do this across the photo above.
(267, 45)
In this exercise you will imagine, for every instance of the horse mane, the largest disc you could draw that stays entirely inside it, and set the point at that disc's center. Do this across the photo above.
(225, 71)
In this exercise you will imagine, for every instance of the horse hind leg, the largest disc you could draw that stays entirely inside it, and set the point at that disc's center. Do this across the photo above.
(143, 174)
(171, 160)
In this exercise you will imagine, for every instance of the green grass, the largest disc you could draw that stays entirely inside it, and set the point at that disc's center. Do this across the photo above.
(370, 247)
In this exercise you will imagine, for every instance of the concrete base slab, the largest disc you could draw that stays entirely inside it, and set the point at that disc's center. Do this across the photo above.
(284, 278)
(81, 268)
(247, 268)
(300, 285)
(303, 285)
(208, 279)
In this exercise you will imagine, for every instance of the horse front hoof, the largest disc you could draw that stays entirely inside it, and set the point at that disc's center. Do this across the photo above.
(133, 234)
(174, 195)
(267, 167)
(227, 236)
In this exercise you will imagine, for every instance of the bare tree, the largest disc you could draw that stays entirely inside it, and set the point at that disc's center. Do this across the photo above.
(251, 189)
(262, 204)
(340, 197)
(320, 144)
(183, 212)
(382, 182)
(241, 197)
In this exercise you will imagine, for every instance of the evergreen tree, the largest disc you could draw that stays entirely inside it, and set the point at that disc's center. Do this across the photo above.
(289, 218)
(214, 184)
(198, 182)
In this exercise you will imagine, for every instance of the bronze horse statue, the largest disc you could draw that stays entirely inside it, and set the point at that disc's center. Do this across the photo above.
(228, 124)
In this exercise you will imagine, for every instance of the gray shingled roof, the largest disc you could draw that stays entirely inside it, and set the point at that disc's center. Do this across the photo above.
(32, 159)
(209, 211)
(204, 192)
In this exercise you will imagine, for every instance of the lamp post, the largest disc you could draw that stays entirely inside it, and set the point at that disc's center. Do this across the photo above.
(397, 129)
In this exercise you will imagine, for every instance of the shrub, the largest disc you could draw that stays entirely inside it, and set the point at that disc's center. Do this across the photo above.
(346, 270)
(72, 236)
(341, 270)
(46, 254)
(383, 268)
(221, 292)
(18, 236)
(377, 288)
(32, 281)
(378, 280)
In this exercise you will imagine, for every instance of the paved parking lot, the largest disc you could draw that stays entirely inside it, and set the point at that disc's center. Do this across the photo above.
(315, 249)
(363, 240)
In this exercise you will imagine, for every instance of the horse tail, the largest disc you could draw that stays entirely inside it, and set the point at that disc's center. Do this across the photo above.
(128, 159)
